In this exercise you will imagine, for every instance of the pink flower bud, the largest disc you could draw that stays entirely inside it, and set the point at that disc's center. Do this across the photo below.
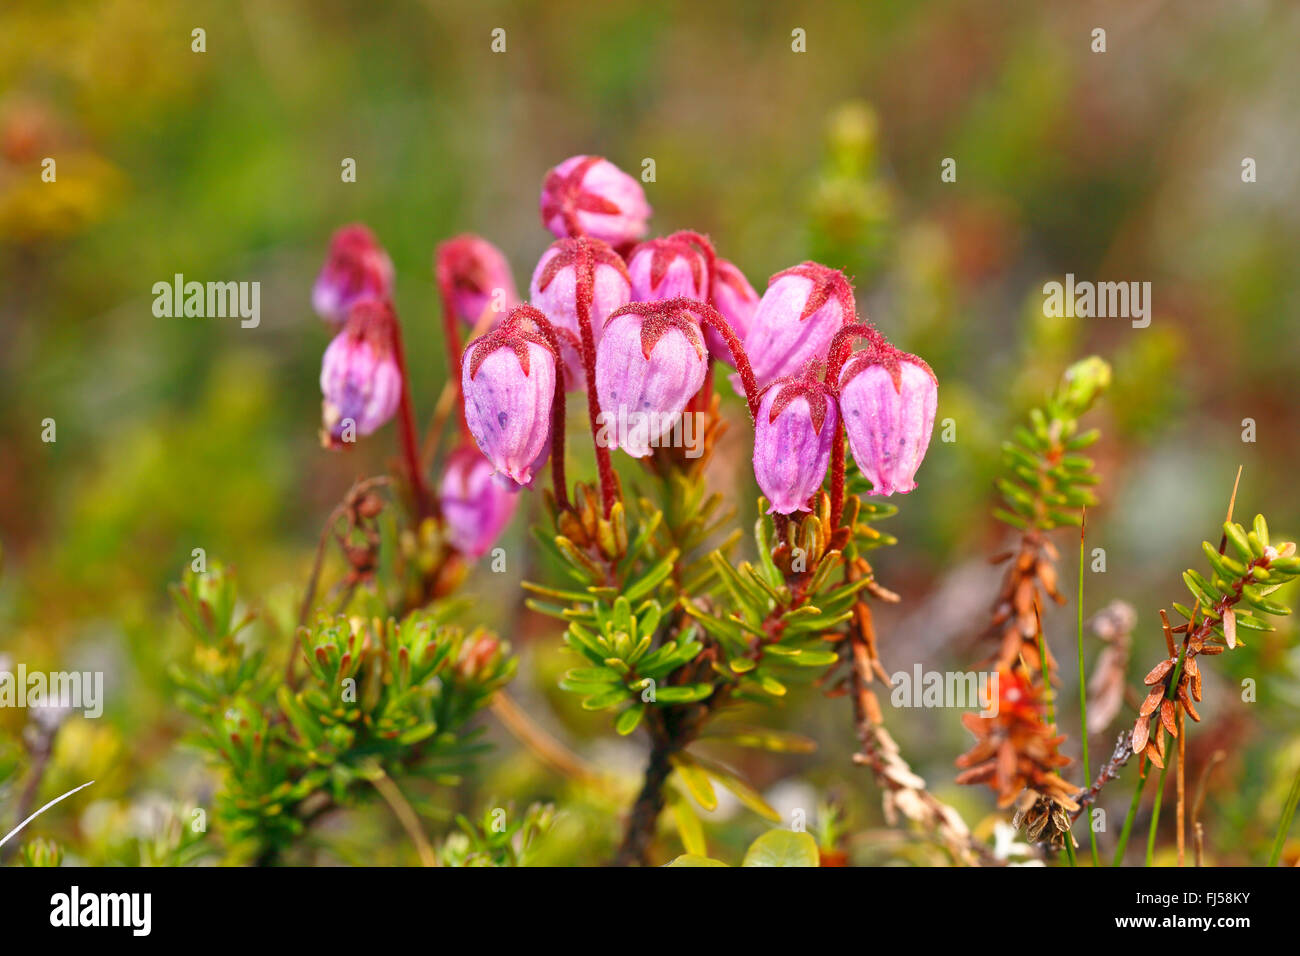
(475, 276)
(650, 361)
(590, 196)
(359, 376)
(668, 268)
(554, 290)
(508, 380)
(356, 268)
(793, 435)
(475, 507)
(735, 298)
(888, 399)
(796, 319)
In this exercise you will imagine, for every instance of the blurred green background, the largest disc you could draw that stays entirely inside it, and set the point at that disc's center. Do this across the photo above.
(180, 433)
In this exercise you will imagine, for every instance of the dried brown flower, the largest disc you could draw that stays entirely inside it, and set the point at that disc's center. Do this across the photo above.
(1164, 699)
(1017, 749)
(1113, 624)
(1043, 819)
(1016, 611)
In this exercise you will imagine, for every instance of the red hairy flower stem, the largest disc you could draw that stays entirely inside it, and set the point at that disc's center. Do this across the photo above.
(840, 348)
(425, 505)
(585, 291)
(710, 258)
(839, 352)
(837, 473)
(558, 480)
(713, 318)
(710, 268)
(451, 333)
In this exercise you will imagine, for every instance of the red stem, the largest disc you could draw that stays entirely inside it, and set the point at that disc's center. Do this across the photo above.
(584, 292)
(713, 318)
(451, 333)
(425, 505)
(710, 258)
(837, 474)
(840, 350)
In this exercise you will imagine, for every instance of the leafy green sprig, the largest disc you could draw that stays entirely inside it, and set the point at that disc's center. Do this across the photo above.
(379, 697)
(1048, 482)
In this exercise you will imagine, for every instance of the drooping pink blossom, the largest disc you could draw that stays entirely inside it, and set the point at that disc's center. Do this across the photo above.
(360, 380)
(590, 196)
(356, 268)
(554, 290)
(508, 381)
(475, 507)
(888, 400)
(475, 276)
(793, 436)
(650, 362)
(796, 319)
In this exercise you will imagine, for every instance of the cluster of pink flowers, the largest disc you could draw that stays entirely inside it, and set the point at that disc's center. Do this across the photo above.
(636, 325)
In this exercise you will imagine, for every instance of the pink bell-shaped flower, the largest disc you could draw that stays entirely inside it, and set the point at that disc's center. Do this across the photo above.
(668, 268)
(508, 380)
(793, 434)
(796, 319)
(888, 401)
(475, 507)
(590, 196)
(474, 276)
(554, 290)
(356, 268)
(360, 380)
(650, 362)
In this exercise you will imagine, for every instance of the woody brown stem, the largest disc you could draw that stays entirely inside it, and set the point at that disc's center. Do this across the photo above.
(639, 831)
(1109, 771)
(905, 791)
(671, 730)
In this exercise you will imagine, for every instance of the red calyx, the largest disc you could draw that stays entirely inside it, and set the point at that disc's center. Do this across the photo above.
(807, 386)
(664, 251)
(570, 254)
(659, 317)
(888, 358)
(508, 335)
(372, 321)
(827, 283)
(565, 195)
